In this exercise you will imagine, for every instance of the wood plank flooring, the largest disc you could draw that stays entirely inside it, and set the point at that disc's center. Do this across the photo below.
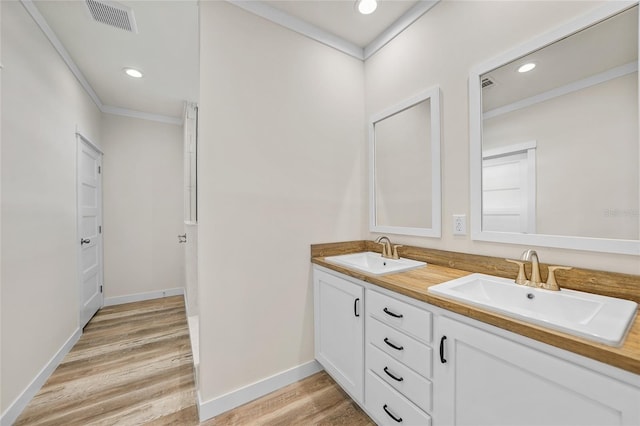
(133, 366)
(316, 400)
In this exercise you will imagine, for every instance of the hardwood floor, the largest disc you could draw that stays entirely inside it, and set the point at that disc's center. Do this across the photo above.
(133, 365)
(316, 400)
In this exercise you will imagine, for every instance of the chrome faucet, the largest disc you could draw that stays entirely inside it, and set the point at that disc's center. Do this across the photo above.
(389, 251)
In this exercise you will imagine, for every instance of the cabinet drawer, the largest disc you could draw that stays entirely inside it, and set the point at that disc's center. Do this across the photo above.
(403, 348)
(405, 317)
(388, 407)
(410, 384)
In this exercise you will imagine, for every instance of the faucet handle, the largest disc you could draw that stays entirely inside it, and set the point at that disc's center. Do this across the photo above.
(395, 251)
(522, 277)
(384, 249)
(551, 283)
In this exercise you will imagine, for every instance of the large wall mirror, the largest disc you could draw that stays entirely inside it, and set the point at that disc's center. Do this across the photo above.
(554, 150)
(405, 167)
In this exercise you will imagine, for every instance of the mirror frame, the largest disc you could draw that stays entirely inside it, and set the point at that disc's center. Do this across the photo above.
(619, 246)
(433, 94)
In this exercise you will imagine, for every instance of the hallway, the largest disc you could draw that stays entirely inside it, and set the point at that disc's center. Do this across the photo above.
(133, 365)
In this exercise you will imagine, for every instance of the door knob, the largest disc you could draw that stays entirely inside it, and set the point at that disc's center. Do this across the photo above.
(182, 238)
(84, 241)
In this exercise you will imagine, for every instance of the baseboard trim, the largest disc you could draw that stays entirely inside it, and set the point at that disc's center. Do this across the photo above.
(15, 409)
(139, 297)
(216, 406)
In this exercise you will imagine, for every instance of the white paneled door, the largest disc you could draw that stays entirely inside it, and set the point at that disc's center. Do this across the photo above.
(89, 175)
(509, 189)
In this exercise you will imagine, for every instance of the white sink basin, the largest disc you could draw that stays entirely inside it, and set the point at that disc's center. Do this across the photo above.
(599, 318)
(374, 263)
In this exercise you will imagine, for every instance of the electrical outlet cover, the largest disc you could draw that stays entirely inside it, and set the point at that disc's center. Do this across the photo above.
(459, 224)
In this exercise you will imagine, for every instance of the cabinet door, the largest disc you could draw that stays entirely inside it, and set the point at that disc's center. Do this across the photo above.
(490, 380)
(339, 316)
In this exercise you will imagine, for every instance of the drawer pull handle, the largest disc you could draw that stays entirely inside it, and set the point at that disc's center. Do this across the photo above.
(388, 312)
(442, 360)
(356, 305)
(398, 348)
(397, 379)
(397, 419)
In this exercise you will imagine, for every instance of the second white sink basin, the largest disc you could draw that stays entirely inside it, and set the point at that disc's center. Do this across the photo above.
(374, 263)
(599, 318)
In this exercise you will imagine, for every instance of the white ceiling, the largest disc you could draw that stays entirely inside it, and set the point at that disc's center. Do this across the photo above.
(610, 44)
(166, 47)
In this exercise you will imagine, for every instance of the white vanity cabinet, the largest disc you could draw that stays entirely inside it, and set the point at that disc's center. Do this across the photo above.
(411, 363)
(398, 361)
(339, 330)
(486, 379)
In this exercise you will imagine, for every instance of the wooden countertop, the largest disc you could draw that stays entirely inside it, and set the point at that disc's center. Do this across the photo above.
(414, 283)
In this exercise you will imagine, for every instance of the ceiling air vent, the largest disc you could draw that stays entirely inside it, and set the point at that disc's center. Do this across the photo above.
(487, 82)
(112, 13)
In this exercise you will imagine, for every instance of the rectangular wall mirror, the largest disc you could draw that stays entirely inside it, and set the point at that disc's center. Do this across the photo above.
(404, 147)
(554, 150)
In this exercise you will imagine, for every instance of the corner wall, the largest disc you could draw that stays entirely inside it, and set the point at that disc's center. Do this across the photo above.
(281, 166)
(439, 49)
(41, 107)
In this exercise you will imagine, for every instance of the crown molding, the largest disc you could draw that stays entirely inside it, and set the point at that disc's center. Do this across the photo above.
(283, 19)
(315, 33)
(108, 109)
(258, 8)
(575, 86)
(401, 24)
(64, 54)
(57, 44)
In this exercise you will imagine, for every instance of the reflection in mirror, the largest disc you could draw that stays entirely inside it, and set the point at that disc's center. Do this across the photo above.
(402, 152)
(405, 167)
(559, 143)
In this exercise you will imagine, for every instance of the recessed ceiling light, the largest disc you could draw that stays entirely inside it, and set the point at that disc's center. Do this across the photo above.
(366, 6)
(527, 67)
(132, 72)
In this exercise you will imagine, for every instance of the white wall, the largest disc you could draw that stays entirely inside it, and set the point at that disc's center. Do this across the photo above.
(143, 206)
(191, 269)
(403, 168)
(281, 166)
(41, 105)
(440, 49)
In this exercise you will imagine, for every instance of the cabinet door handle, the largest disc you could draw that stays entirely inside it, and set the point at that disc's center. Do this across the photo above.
(356, 305)
(442, 360)
(388, 312)
(398, 348)
(397, 419)
(397, 379)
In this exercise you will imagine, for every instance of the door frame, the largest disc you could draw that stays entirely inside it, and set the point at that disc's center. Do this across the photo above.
(82, 139)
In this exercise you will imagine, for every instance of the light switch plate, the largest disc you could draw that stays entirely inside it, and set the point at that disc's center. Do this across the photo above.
(459, 224)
